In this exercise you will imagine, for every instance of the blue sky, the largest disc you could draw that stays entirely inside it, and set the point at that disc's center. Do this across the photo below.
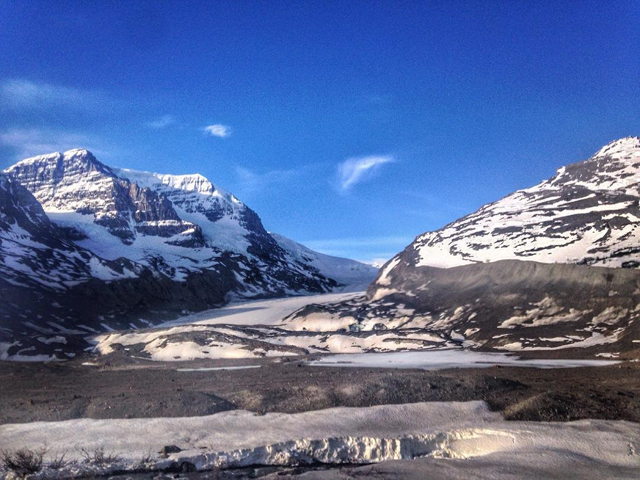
(349, 126)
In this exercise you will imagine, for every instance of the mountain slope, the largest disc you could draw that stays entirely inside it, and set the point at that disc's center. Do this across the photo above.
(588, 213)
(35, 253)
(39, 266)
(354, 274)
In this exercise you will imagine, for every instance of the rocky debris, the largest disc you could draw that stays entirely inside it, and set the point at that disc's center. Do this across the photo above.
(512, 305)
(134, 388)
(168, 450)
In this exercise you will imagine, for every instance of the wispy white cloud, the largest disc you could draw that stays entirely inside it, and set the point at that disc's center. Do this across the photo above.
(357, 169)
(161, 122)
(21, 93)
(31, 142)
(218, 130)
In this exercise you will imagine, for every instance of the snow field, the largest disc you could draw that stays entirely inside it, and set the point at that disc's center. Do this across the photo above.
(450, 430)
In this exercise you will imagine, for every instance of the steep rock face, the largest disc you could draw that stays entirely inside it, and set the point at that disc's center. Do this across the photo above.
(227, 223)
(19, 208)
(35, 253)
(76, 182)
(588, 213)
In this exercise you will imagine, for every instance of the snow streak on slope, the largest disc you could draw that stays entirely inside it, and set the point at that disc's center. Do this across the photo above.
(588, 213)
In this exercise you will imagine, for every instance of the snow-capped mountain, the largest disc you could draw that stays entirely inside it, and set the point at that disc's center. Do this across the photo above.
(518, 273)
(108, 246)
(175, 224)
(76, 183)
(588, 213)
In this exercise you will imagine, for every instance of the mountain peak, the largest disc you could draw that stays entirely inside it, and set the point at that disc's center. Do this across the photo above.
(193, 183)
(78, 152)
(62, 160)
(623, 148)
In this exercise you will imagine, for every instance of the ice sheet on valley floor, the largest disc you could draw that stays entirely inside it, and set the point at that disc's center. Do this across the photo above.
(259, 312)
(178, 343)
(345, 435)
(449, 358)
(176, 340)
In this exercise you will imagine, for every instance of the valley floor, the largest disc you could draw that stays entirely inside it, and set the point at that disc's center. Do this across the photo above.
(36, 397)
(125, 387)
(274, 402)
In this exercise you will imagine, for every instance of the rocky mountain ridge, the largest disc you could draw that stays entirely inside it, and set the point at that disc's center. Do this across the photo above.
(588, 213)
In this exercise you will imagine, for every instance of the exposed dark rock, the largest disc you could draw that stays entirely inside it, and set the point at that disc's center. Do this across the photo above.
(169, 449)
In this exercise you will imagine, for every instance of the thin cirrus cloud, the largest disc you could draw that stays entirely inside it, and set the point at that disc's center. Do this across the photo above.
(358, 169)
(161, 122)
(218, 130)
(20, 93)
